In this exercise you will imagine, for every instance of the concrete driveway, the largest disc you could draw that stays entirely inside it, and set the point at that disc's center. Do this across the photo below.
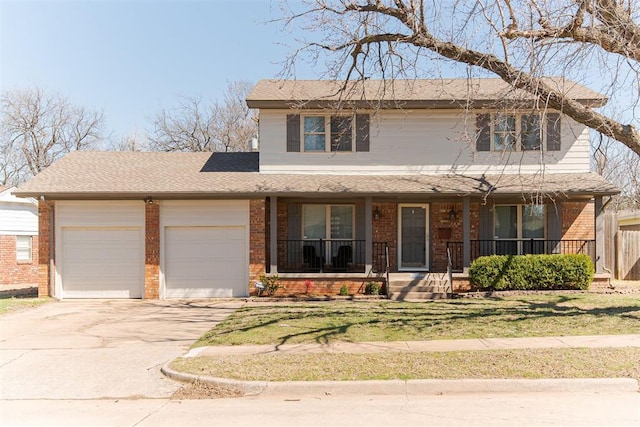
(94, 349)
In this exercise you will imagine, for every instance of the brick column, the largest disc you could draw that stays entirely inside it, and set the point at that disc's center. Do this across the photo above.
(257, 238)
(46, 227)
(152, 251)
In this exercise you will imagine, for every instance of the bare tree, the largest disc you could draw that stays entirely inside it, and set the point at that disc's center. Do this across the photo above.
(620, 166)
(39, 128)
(195, 126)
(521, 41)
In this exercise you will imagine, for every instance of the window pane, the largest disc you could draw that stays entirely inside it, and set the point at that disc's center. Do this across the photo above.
(506, 222)
(314, 124)
(23, 248)
(314, 143)
(314, 135)
(505, 123)
(504, 133)
(341, 132)
(533, 222)
(314, 221)
(531, 132)
(342, 222)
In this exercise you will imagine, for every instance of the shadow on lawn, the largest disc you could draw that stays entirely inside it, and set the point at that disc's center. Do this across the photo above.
(424, 318)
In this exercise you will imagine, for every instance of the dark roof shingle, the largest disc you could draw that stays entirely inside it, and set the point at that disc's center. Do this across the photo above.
(207, 175)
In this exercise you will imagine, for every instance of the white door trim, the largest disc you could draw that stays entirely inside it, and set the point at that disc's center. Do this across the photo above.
(424, 206)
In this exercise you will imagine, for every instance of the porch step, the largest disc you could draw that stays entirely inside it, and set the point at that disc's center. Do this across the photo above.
(418, 286)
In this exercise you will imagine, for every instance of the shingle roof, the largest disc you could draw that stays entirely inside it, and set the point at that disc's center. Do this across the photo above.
(235, 175)
(436, 93)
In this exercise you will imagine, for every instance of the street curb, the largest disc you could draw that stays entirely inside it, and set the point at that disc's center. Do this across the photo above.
(412, 387)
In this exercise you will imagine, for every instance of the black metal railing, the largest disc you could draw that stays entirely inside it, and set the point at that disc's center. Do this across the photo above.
(380, 257)
(321, 256)
(519, 247)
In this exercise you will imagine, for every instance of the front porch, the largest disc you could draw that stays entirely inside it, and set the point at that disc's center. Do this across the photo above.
(367, 239)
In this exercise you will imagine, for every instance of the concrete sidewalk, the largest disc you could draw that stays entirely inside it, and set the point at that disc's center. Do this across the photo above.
(595, 341)
(418, 387)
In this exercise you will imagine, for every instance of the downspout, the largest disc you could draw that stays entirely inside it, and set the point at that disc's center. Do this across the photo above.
(52, 276)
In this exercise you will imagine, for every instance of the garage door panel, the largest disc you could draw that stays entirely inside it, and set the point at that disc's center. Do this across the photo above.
(205, 262)
(102, 262)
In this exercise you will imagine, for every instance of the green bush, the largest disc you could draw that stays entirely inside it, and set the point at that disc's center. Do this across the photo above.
(532, 272)
(344, 290)
(372, 288)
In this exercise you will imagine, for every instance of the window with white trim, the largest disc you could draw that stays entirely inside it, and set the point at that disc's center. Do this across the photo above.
(518, 132)
(24, 247)
(316, 128)
(513, 132)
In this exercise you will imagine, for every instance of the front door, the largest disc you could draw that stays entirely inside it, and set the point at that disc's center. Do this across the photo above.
(413, 237)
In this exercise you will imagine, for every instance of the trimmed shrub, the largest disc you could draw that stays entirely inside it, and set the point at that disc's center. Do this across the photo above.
(372, 288)
(532, 272)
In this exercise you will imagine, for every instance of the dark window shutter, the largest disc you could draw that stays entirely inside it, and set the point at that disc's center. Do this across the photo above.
(362, 132)
(294, 221)
(553, 132)
(554, 227)
(293, 132)
(483, 132)
(485, 231)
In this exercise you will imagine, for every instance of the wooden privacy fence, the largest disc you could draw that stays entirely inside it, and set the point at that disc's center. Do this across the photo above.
(628, 254)
(622, 249)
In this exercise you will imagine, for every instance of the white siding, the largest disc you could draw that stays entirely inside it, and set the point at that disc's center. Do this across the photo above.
(419, 141)
(18, 216)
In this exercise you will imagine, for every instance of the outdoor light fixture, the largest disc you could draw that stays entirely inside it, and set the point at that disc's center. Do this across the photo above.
(376, 214)
(148, 200)
(453, 215)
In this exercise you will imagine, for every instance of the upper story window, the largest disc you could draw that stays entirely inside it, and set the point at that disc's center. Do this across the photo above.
(316, 129)
(517, 132)
(327, 133)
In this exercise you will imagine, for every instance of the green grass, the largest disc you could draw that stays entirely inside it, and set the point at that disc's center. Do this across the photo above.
(513, 316)
(528, 363)
(8, 305)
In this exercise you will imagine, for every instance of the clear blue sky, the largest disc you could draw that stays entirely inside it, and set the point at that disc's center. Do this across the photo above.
(130, 58)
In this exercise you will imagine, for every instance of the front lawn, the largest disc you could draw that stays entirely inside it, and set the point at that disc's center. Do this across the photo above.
(509, 316)
(8, 305)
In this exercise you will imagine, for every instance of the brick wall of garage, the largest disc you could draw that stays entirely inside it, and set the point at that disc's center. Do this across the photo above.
(152, 251)
(45, 235)
(257, 238)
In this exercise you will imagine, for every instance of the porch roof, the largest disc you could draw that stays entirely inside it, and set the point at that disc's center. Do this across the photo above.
(130, 175)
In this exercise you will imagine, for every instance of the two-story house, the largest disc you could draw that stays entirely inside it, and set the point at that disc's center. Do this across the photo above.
(403, 177)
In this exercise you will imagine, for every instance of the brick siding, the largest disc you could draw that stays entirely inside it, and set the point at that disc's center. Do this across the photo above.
(257, 238)
(45, 234)
(152, 251)
(321, 286)
(444, 229)
(14, 272)
(385, 229)
(578, 220)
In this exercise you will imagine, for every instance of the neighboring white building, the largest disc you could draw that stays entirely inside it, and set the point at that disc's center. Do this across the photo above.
(18, 239)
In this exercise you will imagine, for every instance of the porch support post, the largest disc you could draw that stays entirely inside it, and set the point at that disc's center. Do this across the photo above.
(273, 234)
(466, 232)
(368, 235)
(599, 231)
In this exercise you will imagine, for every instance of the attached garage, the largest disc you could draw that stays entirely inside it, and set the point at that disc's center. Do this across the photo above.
(205, 247)
(100, 252)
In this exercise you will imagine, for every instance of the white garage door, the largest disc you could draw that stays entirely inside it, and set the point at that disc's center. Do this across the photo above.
(102, 262)
(205, 262)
